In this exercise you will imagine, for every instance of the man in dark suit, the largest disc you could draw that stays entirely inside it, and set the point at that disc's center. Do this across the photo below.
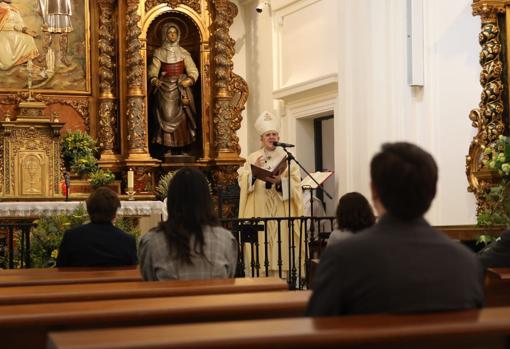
(401, 264)
(497, 254)
(98, 243)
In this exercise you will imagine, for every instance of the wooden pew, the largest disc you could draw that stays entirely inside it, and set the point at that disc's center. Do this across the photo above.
(497, 287)
(26, 326)
(486, 328)
(28, 277)
(137, 289)
(31, 271)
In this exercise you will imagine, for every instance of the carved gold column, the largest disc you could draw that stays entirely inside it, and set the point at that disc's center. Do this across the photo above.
(136, 119)
(226, 117)
(138, 157)
(488, 117)
(107, 76)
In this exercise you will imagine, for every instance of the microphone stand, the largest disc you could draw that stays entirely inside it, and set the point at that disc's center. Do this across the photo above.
(291, 157)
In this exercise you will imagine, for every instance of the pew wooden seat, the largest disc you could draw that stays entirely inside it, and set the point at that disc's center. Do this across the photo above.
(497, 287)
(26, 326)
(487, 328)
(31, 271)
(137, 289)
(62, 276)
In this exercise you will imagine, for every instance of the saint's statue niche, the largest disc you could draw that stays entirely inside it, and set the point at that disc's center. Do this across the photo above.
(172, 75)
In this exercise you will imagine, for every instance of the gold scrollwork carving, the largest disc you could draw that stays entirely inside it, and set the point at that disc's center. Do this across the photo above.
(231, 89)
(193, 4)
(134, 60)
(3, 175)
(107, 122)
(488, 9)
(106, 45)
(225, 175)
(488, 117)
(136, 125)
(223, 47)
(80, 104)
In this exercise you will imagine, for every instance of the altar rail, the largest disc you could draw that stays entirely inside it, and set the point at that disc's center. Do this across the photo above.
(15, 246)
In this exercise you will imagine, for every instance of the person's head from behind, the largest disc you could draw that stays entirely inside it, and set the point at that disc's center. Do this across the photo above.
(189, 206)
(102, 205)
(354, 213)
(404, 179)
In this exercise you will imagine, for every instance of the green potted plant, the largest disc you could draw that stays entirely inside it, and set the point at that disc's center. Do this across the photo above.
(496, 212)
(101, 177)
(162, 187)
(48, 232)
(78, 150)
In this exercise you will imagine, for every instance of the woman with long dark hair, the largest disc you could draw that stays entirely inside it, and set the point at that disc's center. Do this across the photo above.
(353, 214)
(190, 244)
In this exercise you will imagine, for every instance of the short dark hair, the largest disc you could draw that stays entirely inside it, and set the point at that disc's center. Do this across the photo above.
(102, 205)
(405, 178)
(354, 212)
(190, 207)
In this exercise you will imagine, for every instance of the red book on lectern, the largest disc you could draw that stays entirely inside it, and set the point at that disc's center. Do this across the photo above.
(263, 174)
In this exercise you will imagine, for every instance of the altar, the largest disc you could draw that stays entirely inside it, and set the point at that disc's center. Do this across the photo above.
(148, 213)
(17, 222)
(34, 209)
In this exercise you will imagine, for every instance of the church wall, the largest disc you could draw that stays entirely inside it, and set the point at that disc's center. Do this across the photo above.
(238, 33)
(372, 100)
(376, 104)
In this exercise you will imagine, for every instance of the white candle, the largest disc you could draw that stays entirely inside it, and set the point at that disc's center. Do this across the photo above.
(130, 179)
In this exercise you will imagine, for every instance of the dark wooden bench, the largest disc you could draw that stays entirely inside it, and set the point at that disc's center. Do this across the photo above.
(487, 328)
(26, 326)
(62, 276)
(136, 289)
(31, 271)
(497, 287)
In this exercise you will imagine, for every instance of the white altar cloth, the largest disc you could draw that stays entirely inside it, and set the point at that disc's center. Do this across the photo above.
(38, 208)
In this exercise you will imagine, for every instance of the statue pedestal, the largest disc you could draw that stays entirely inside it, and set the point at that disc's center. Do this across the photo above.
(178, 158)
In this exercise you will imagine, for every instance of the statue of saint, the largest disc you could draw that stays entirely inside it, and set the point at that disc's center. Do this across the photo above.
(172, 72)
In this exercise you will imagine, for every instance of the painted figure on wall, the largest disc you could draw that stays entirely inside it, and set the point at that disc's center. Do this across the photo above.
(16, 39)
(56, 16)
(172, 73)
(55, 35)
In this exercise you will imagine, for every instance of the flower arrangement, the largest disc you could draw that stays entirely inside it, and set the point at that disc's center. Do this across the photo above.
(47, 235)
(78, 151)
(48, 232)
(101, 177)
(496, 212)
(497, 156)
(162, 187)
(164, 181)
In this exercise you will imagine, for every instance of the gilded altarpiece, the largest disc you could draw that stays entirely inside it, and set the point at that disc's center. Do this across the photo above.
(490, 118)
(112, 45)
(30, 158)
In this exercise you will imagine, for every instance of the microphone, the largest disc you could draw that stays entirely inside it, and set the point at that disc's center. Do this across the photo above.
(283, 145)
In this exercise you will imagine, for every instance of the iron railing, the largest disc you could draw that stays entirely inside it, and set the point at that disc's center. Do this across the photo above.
(253, 235)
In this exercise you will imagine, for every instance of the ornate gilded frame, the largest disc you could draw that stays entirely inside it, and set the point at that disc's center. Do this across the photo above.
(202, 23)
(87, 66)
(224, 93)
(489, 117)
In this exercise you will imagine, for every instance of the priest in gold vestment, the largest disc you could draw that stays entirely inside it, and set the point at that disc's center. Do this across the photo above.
(261, 199)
